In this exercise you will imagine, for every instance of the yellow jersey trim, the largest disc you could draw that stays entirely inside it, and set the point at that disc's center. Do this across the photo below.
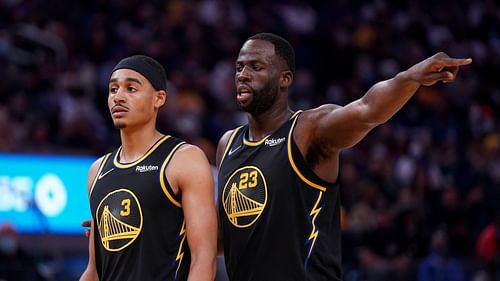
(229, 142)
(295, 114)
(163, 176)
(314, 231)
(259, 142)
(180, 252)
(292, 162)
(128, 165)
(99, 171)
(255, 143)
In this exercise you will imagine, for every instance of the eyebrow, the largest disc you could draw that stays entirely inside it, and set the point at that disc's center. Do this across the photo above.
(253, 61)
(128, 79)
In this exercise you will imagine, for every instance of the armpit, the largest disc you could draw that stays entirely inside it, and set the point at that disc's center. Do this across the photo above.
(317, 152)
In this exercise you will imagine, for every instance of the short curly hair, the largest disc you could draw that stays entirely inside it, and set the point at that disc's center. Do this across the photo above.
(282, 47)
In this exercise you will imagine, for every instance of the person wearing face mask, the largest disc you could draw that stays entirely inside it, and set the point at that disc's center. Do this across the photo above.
(15, 262)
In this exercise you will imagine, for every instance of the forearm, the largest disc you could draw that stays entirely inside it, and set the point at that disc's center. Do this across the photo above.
(385, 98)
(202, 267)
(344, 126)
(90, 273)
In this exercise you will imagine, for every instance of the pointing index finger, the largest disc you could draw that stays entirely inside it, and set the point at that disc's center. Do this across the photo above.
(450, 62)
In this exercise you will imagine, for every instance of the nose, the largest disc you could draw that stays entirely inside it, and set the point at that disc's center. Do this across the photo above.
(119, 96)
(243, 75)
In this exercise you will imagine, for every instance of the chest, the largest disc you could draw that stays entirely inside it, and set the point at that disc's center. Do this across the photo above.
(122, 189)
(249, 164)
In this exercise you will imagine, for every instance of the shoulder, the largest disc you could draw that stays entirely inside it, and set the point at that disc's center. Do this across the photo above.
(225, 137)
(189, 157)
(221, 146)
(308, 119)
(96, 164)
(189, 163)
(318, 112)
(99, 161)
(187, 150)
(310, 122)
(94, 168)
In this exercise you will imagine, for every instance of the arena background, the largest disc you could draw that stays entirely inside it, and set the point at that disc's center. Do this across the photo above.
(420, 194)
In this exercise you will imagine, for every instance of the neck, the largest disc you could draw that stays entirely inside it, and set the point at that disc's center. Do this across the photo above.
(267, 122)
(136, 143)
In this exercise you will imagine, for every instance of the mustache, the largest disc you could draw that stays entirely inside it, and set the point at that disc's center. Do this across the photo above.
(119, 104)
(244, 84)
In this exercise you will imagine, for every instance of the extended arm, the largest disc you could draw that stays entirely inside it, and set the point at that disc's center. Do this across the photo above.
(343, 127)
(90, 273)
(190, 171)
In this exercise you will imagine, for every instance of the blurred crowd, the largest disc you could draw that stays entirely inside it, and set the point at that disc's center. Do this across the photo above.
(420, 194)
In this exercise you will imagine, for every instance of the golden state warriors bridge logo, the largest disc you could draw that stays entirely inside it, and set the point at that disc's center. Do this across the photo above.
(244, 196)
(119, 219)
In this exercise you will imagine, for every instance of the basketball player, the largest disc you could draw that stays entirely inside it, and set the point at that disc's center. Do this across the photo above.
(153, 213)
(278, 174)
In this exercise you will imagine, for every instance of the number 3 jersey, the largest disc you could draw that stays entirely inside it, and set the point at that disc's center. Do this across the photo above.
(279, 220)
(139, 230)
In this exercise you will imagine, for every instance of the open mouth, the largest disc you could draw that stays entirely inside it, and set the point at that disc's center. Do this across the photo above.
(244, 92)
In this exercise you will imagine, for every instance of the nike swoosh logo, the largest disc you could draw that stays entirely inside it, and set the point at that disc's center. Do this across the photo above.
(103, 174)
(231, 151)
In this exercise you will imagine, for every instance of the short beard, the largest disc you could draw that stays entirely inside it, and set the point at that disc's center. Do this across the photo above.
(120, 125)
(262, 99)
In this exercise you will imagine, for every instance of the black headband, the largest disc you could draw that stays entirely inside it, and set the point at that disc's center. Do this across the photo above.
(148, 67)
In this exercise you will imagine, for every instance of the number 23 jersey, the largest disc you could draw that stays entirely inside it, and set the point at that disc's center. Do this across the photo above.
(279, 220)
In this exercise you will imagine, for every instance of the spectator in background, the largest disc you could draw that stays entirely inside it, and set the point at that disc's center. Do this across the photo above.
(15, 262)
(439, 265)
(451, 138)
(488, 248)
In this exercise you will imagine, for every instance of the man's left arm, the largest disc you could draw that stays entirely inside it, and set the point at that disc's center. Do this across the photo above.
(386, 98)
(344, 126)
(192, 174)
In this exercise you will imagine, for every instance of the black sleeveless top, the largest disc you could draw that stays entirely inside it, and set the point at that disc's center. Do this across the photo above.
(139, 230)
(279, 220)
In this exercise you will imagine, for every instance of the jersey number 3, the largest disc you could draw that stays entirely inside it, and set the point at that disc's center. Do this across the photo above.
(126, 208)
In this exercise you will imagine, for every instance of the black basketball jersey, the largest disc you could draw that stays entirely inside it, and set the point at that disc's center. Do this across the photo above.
(279, 220)
(139, 230)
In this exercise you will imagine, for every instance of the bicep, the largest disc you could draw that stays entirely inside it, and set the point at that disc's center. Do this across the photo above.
(195, 182)
(338, 126)
(90, 272)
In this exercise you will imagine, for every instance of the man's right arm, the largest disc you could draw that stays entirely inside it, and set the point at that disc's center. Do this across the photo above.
(221, 147)
(90, 273)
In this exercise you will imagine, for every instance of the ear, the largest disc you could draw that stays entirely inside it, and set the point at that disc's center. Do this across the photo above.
(160, 98)
(286, 79)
